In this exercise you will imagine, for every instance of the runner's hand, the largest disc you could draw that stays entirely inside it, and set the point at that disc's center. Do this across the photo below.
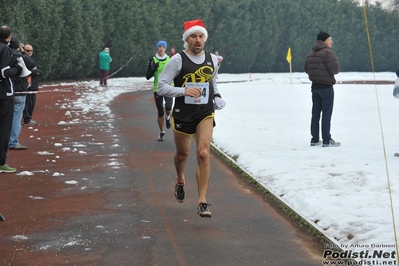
(193, 92)
(154, 66)
(219, 103)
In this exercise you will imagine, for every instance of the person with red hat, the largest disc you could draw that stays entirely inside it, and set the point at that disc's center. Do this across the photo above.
(194, 73)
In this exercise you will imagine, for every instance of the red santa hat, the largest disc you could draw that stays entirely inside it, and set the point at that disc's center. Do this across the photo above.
(191, 27)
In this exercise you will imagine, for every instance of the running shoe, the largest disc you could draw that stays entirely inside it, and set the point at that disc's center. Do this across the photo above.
(167, 122)
(203, 210)
(180, 193)
(7, 169)
(161, 135)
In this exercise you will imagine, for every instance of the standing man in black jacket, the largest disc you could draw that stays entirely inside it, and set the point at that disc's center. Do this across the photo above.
(321, 65)
(6, 96)
(33, 87)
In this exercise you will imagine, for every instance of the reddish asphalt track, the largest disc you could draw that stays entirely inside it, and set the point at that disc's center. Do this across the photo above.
(102, 193)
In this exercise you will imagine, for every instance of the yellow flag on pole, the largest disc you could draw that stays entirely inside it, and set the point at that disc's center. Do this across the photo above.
(289, 55)
(289, 58)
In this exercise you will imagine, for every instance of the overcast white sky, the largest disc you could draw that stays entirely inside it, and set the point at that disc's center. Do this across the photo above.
(385, 3)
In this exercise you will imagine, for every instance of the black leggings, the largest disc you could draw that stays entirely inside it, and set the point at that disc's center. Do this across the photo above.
(6, 115)
(159, 104)
(30, 104)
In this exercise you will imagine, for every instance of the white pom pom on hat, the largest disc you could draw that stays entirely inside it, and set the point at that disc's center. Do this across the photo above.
(191, 27)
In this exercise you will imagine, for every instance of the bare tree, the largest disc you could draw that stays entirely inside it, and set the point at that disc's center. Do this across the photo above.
(394, 5)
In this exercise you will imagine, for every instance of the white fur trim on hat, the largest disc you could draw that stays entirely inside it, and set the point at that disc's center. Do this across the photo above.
(194, 29)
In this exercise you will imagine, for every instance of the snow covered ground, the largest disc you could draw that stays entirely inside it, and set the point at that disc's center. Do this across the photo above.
(344, 190)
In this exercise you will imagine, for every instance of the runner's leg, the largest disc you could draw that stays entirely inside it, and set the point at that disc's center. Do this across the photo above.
(203, 138)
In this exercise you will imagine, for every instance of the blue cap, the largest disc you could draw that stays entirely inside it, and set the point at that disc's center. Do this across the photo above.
(162, 43)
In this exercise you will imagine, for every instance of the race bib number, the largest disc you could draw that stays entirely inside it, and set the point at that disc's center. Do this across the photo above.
(203, 99)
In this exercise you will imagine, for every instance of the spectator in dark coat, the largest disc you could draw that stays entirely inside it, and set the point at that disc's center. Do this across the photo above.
(6, 96)
(33, 87)
(321, 65)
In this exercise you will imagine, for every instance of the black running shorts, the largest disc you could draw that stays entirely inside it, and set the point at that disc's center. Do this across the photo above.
(189, 128)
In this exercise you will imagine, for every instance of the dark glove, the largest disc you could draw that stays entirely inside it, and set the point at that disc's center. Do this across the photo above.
(397, 72)
(154, 66)
(35, 72)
